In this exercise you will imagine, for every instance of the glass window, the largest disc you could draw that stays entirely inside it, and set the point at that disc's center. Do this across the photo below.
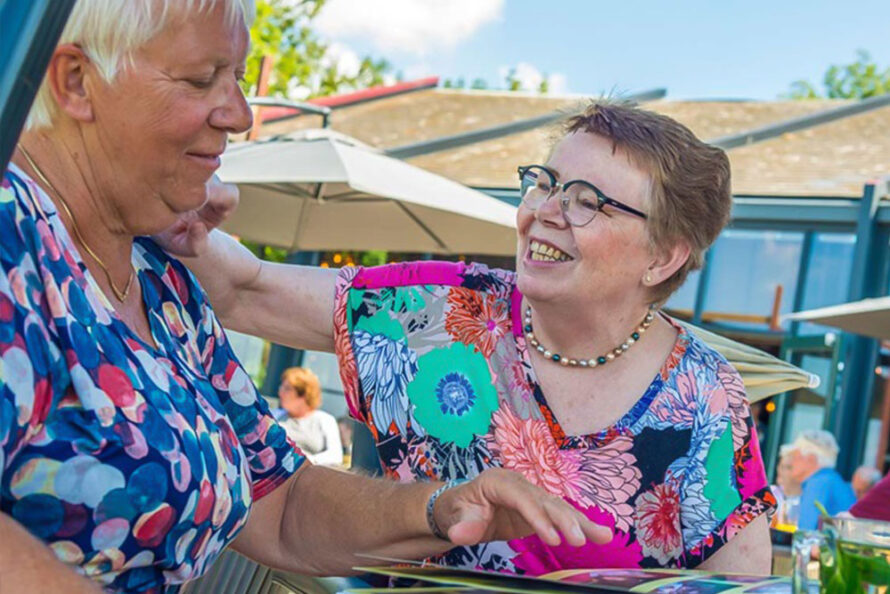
(251, 351)
(806, 407)
(875, 451)
(683, 301)
(746, 269)
(828, 275)
(324, 365)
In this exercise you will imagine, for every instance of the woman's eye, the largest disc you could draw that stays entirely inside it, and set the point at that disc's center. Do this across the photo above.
(588, 204)
(200, 83)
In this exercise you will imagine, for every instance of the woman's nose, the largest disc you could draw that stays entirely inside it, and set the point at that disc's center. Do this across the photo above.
(550, 212)
(234, 115)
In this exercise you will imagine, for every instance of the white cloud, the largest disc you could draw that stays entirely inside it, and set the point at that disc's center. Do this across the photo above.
(530, 78)
(559, 84)
(344, 58)
(416, 27)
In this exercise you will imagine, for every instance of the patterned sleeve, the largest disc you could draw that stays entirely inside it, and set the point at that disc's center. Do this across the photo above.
(725, 487)
(31, 364)
(359, 293)
(343, 345)
(272, 457)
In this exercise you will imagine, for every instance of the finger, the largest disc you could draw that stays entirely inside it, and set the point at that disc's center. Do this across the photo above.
(535, 515)
(512, 491)
(197, 237)
(596, 533)
(565, 518)
(575, 526)
(469, 530)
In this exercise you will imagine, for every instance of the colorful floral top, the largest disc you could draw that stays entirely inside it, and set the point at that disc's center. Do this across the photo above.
(136, 464)
(434, 363)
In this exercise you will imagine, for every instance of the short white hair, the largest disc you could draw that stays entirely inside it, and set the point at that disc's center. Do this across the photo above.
(821, 444)
(109, 31)
(869, 474)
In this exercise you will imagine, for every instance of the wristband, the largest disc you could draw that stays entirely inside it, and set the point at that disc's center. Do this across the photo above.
(430, 504)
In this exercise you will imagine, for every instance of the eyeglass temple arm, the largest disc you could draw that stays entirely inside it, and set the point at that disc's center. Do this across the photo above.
(624, 207)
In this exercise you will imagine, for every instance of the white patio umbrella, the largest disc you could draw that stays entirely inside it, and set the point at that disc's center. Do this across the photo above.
(321, 190)
(869, 317)
(762, 374)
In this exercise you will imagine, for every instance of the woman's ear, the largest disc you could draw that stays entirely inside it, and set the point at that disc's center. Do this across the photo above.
(67, 78)
(666, 262)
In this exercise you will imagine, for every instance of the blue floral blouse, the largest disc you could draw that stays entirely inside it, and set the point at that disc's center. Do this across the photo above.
(135, 463)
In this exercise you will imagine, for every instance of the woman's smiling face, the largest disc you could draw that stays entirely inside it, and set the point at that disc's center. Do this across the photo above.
(163, 123)
(601, 260)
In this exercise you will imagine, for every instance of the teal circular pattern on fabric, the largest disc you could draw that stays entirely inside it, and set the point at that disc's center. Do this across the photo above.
(453, 406)
(455, 394)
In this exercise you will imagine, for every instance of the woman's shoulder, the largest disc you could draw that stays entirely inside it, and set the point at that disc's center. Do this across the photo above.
(701, 375)
(475, 276)
(20, 201)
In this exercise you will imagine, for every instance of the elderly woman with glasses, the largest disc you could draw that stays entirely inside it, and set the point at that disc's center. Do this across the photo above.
(564, 370)
(133, 446)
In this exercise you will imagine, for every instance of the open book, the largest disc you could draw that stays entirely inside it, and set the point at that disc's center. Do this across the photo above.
(433, 578)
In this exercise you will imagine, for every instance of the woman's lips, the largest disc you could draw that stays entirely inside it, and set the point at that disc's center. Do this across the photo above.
(209, 161)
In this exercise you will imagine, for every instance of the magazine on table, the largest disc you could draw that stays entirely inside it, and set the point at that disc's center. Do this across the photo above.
(441, 579)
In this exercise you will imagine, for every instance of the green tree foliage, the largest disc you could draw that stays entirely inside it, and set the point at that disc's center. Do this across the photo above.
(283, 31)
(858, 80)
(513, 83)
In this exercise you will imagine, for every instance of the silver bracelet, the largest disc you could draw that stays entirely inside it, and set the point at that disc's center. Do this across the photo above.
(430, 504)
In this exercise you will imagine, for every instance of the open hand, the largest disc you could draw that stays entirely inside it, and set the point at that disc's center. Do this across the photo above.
(501, 505)
(188, 236)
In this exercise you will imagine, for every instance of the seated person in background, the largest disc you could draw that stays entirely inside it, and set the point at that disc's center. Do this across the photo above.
(864, 479)
(813, 458)
(787, 492)
(347, 430)
(313, 430)
(875, 504)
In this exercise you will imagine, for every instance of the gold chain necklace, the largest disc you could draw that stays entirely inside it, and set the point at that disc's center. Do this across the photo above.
(588, 363)
(120, 295)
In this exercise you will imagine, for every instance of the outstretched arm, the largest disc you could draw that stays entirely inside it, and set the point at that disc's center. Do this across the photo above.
(321, 520)
(28, 565)
(283, 303)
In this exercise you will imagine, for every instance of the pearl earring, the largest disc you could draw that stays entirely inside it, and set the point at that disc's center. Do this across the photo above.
(648, 278)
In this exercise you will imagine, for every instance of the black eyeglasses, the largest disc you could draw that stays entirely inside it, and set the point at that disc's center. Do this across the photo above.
(580, 200)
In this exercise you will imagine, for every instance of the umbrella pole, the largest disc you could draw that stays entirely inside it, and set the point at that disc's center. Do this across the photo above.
(426, 229)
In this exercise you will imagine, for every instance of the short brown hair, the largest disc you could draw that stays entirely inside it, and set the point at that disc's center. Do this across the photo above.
(305, 383)
(690, 198)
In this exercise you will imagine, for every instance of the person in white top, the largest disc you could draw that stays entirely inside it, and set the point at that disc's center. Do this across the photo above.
(312, 429)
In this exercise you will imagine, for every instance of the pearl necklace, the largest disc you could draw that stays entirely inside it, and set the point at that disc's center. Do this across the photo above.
(601, 360)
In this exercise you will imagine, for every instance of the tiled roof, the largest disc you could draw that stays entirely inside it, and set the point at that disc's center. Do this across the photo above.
(833, 159)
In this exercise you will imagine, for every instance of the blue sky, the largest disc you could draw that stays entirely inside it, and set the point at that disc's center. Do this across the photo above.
(696, 49)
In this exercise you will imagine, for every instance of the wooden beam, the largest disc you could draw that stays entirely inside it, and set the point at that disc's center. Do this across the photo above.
(774, 323)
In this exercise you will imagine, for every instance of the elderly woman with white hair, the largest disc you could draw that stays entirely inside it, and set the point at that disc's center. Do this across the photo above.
(133, 446)
(813, 458)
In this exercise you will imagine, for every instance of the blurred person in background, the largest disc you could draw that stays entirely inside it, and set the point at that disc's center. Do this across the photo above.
(312, 429)
(347, 430)
(864, 479)
(787, 492)
(813, 459)
(875, 504)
